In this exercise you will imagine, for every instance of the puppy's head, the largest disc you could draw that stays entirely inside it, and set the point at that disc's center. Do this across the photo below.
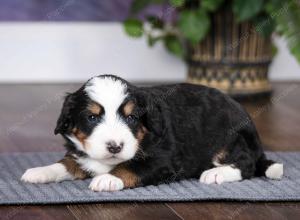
(104, 119)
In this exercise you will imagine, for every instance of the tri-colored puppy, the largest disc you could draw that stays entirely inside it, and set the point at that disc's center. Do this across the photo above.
(126, 136)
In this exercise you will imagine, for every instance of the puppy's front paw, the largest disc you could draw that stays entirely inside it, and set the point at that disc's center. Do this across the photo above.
(106, 182)
(52, 173)
(36, 175)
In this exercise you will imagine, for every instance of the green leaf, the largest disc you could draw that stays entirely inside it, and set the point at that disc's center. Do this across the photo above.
(194, 25)
(246, 9)
(264, 25)
(295, 49)
(133, 27)
(177, 3)
(274, 50)
(173, 45)
(153, 40)
(286, 14)
(273, 5)
(211, 5)
(155, 22)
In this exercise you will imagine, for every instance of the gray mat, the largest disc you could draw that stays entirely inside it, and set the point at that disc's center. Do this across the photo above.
(13, 191)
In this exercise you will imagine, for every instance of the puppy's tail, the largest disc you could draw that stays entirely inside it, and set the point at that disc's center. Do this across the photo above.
(268, 168)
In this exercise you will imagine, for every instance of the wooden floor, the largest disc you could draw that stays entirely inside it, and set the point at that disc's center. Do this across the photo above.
(27, 118)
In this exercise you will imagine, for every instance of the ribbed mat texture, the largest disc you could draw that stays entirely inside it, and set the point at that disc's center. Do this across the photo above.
(13, 191)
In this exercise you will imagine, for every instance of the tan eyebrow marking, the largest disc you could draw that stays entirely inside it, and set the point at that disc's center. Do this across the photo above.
(95, 108)
(128, 108)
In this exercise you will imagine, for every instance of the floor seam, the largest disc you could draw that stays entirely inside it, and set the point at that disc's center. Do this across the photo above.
(174, 211)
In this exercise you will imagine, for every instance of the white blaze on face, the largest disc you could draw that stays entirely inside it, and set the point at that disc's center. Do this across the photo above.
(110, 94)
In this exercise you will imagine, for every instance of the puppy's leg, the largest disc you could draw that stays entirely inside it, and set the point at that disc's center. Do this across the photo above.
(65, 169)
(119, 178)
(56, 172)
(233, 163)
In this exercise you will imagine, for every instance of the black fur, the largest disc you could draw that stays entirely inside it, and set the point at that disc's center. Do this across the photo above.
(190, 125)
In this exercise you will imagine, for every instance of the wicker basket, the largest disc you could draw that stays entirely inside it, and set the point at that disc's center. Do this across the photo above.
(233, 58)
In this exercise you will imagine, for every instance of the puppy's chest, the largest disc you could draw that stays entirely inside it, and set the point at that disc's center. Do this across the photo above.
(93, 166)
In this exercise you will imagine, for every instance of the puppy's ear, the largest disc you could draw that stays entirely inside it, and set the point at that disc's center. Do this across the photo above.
(152, 117)
(64, 122)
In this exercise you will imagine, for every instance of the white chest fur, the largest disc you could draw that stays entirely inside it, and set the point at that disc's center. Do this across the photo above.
(94, 166)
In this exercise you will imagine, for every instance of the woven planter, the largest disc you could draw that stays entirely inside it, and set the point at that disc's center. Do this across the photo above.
(233, 58)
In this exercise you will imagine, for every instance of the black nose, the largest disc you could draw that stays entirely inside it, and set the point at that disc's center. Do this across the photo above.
(113, 147)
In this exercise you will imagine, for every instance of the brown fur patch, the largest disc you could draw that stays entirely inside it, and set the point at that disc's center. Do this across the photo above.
(141, 134)
(128, 108)
(73, 167)
(129, 178)
(95, 108)
(79, 135)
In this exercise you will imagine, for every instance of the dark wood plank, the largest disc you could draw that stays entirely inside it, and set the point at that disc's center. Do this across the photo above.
(277, 119)
(123, 211)
(57, 212)
(234, 210)
(28, 115)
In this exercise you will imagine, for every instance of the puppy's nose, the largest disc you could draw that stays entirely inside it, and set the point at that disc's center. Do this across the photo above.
(113, 147)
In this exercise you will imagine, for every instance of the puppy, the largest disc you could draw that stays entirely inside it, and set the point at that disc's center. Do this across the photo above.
(125, 136)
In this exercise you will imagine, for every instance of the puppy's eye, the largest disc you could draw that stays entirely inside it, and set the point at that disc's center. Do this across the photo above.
(131, 118)
(93, 118)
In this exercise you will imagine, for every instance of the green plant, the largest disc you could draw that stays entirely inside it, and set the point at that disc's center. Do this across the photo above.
(191, 21)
